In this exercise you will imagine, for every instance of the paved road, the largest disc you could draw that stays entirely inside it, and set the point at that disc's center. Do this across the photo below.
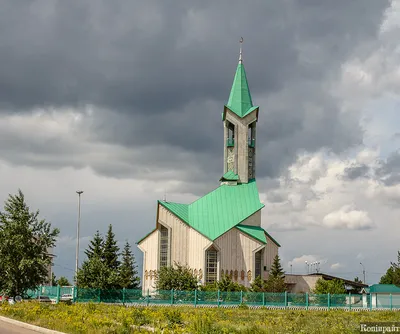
(6, 328)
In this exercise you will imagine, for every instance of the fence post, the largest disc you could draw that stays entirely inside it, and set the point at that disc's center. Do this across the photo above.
(391, 302)
(329, 301)
(123, 296)
(241, 297)
(148, 297)
(195, 298)
(349, 300)
(58, 294)
(99, 296)
(172, 296)
(218, 298)
(263, 299)
(286, 300)
(306, 300)
(40, 292)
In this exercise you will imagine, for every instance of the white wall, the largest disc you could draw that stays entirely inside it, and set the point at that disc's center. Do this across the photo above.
(188, 247)
(237, 250)
(149, 247)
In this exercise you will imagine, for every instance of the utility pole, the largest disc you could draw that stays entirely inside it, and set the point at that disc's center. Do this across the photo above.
(79, 192)
(363, 272)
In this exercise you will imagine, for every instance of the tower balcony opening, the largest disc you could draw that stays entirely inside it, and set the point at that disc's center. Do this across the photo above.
(230, 142)
(252, 142)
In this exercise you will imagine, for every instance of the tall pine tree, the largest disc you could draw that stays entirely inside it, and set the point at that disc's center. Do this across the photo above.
(276, 268)
(111, 250)
(276, 278)
(95, 247)
(24, 245)
(129, 278)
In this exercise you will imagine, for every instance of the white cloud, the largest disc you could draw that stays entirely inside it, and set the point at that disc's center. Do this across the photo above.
(302, 259)
(336, 266)
(348, 217)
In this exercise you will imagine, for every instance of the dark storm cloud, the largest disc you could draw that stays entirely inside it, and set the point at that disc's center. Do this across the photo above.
(162, 71)
(356, 171)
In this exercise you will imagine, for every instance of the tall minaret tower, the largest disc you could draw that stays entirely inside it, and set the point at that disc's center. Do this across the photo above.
(240, 119)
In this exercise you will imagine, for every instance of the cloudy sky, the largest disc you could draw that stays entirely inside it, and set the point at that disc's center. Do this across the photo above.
(123, 100)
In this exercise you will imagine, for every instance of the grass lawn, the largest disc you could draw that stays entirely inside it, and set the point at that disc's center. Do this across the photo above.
(103, 318)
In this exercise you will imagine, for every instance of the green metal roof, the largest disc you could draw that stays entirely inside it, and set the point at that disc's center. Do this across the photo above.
(256, 232)
(240, 101)
(220, 210)
(230, 176)
(180, 210)
(384, 288)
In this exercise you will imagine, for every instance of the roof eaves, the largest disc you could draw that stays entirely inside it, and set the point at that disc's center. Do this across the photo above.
(138, 242)
(229, 176)
(249, 111)
(250, 235)
(274, 241)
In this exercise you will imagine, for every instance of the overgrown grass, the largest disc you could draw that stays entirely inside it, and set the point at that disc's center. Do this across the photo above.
(103, 318)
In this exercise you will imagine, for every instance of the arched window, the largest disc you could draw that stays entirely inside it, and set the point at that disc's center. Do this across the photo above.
(164, 247)
(211, 265)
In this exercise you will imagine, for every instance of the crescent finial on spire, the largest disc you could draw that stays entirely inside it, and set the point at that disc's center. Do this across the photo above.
(240, 52)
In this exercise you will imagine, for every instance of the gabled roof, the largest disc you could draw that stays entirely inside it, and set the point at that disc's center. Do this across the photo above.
(229, 176)
(240, 101)
(180, 210)
(220, 210)
(384, 288)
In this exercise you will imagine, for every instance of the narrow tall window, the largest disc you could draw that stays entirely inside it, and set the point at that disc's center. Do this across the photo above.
(211, 265)
(164, 247)
(251, 135)
(231, 135)
(258, 263)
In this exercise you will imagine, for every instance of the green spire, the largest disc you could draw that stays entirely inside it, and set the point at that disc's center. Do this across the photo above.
(240, 101)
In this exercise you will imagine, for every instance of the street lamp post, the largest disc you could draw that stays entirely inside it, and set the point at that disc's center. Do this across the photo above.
(77, 236)
(363, 271)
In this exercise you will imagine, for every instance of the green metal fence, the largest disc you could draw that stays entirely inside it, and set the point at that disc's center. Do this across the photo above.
(58, 294)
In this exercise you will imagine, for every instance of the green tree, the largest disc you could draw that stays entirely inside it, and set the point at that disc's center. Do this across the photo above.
(63, 281)
(334, 286)
(95, 247)
(178, 278)
(111, 250)
(276, 278)
(388, 277)
(25, 242)
(257, 285)
(94, 273)
(226, 284)
(276, 268)
(129, 278)
(392, 275)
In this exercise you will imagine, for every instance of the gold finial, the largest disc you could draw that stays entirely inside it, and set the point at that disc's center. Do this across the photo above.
(240, 52)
